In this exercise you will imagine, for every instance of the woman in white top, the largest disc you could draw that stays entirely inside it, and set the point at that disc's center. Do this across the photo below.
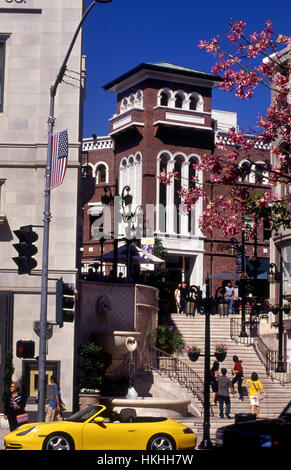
(177, 296)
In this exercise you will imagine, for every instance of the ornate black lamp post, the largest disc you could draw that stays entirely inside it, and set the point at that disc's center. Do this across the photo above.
(238, 249)
(209, 308)
(132, 233)
(275, 276)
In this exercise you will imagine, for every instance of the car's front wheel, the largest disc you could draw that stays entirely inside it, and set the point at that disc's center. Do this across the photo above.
(58, 441)
(161, 442)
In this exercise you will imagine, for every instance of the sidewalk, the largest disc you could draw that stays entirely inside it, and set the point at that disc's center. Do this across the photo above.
(3, 432)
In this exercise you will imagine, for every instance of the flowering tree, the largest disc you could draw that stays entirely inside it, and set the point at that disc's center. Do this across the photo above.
(241, 70)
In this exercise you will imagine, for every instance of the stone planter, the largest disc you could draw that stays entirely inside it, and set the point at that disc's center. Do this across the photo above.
(88, 399)
(193, 355)
(220, 356)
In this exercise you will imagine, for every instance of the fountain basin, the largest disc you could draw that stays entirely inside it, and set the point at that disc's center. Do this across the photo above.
(114, 343)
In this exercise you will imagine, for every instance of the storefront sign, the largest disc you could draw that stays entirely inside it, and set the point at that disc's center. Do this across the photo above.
(16, 3)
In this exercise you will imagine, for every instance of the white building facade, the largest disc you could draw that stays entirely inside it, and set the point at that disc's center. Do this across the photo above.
(34, 38)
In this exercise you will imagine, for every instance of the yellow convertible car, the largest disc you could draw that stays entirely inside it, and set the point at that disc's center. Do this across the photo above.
(95, 428)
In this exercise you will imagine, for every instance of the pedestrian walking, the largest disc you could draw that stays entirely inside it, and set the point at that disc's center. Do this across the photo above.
(14, 407)
(54, 409)
(255, 389)
(224, 385)
(237, 371)
(183, 297)
(177, 295)
(229, 294)
(213, 382)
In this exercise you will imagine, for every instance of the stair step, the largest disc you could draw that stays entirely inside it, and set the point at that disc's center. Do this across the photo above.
(192, 331)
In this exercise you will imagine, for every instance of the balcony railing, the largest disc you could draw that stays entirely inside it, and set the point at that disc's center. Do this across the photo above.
(177, 370)
(268, 357)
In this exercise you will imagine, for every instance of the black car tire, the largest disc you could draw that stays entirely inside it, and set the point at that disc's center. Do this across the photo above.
(161, 442)
(58, 441)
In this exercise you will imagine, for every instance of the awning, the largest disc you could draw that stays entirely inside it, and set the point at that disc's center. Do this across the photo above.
(138, 256)
(96, 209)
(225, 275)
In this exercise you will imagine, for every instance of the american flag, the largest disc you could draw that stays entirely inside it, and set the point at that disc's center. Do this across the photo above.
(59, 158)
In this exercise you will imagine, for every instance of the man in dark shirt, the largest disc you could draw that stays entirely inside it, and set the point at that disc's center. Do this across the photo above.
(224, 384)
(183, 298)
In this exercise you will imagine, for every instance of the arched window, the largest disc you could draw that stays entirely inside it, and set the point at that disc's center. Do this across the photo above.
(164, 99)
(123, 105)
(193, 103)
(101, 174)
(260, 173)
(192, 173)
(246, 170)
(163, 166)
(177, 186)
(87, 171)
(179, 101)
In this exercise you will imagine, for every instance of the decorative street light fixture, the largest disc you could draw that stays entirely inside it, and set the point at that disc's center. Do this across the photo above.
(132, 233)
(209, 308)
(239, 250)
(275, 276)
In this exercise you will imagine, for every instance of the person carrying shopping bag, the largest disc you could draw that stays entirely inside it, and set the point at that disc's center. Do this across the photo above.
(14, 408)
(255, 389)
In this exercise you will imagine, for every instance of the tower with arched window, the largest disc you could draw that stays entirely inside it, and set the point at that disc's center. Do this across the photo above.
(164, 122)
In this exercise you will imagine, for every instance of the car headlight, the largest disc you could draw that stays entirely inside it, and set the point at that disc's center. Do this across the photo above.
(23, 433)
(219, 438)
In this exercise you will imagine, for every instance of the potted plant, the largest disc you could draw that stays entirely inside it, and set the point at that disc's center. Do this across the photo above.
(243, 276)
(92, 371)
(275, 309)
(193, 352)
(220, 351)
(166, 339)
(286, 308)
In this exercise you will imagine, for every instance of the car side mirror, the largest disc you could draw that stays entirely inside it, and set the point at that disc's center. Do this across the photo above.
(98, 420)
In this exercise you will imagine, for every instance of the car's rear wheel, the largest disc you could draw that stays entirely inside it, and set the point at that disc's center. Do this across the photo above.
(161, 442)
(58, 441)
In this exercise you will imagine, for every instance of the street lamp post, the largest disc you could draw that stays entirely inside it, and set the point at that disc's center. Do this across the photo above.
(46, 220)
(275, 276)
(129, 217)
(206, 441)
(209, 305)
(240, 250)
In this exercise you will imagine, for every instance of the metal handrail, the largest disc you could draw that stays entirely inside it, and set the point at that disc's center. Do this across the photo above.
(268, 357)
(176, 369)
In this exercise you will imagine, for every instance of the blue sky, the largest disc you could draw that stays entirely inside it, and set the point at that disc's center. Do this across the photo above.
(124, 33)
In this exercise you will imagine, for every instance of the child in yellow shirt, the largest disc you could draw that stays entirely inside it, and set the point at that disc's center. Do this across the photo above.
(255, 386)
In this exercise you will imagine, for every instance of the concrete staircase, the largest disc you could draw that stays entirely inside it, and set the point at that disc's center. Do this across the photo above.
(192, 330)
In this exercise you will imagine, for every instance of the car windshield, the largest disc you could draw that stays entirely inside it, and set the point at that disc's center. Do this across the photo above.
(287, 412)
(82, 415)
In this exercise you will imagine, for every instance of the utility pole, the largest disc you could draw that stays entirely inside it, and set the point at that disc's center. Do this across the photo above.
(46, 220)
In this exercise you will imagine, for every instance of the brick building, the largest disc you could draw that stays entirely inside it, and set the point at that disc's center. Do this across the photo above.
(164, 120)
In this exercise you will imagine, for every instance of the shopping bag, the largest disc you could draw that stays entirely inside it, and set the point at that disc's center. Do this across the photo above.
(23, 418)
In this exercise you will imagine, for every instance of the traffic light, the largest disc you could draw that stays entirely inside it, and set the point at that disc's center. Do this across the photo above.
(65, 302)
(25, 349)
(26, 249)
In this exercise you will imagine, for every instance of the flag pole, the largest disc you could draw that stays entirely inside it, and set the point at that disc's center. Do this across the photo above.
(46, 222)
